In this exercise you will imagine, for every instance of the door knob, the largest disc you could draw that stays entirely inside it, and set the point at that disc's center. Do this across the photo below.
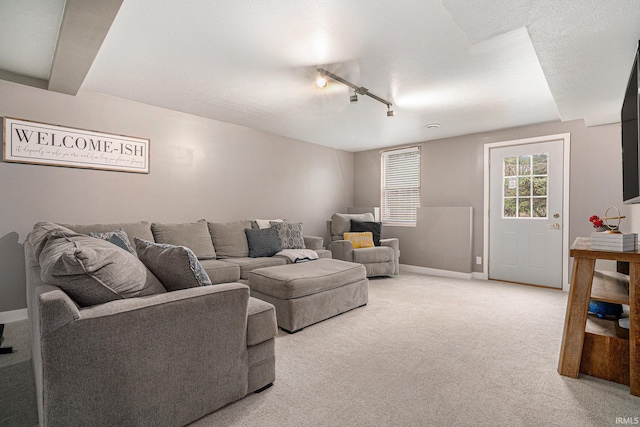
(555, 226)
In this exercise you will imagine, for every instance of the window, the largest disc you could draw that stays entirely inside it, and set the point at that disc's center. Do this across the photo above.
(400, 186)
(525, 186)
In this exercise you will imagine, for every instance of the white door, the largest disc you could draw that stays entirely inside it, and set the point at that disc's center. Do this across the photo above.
(525, 213)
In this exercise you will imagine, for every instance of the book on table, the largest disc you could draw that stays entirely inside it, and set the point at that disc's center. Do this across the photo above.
(624, 242)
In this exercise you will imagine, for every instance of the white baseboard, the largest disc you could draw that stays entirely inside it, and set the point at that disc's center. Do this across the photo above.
(478, 275)
(436, 272)
(13, 316)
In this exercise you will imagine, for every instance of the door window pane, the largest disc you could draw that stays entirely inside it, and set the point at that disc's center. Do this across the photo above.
(524, 165)
(510, 187)
(510, 207)
(540, 207)
(524, 186)
(524, 208)
(510, 166)
(540, 164)
(539, 185)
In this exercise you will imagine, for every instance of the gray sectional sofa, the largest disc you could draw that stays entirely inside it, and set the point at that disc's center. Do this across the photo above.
(109, 351)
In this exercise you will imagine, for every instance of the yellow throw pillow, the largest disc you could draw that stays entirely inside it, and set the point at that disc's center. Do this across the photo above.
(360, 240)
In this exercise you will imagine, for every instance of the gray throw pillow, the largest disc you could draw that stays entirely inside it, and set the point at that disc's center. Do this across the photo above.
(40, 233)
(177, 267)
(262, 242)
(93, 271)
(193, 235)
(117, 237)
(289, 234)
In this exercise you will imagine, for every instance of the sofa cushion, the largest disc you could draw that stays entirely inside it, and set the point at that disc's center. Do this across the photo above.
(221, 271)
(341, 223)
(177, 267)
(360, 240)
(229, 238)
(373, 255)
(262, 242)
(93, 271)
(193, 235)
(141, 229)
(247, 264)
(117, 237)
(374, 227)
(261, 321)
(289, 234)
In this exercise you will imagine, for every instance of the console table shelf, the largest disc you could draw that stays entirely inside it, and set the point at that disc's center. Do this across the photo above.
(601, 352)
(609, 286)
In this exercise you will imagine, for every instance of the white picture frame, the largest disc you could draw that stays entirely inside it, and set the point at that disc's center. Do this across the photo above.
(31, 142)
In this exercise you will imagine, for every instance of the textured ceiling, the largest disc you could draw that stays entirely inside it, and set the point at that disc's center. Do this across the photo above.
(471, 66)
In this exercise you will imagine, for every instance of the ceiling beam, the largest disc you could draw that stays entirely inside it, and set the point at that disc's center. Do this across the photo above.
(22, 79)
(84, 26)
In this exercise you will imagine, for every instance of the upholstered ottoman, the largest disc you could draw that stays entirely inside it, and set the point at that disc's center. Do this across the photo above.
(309, 292)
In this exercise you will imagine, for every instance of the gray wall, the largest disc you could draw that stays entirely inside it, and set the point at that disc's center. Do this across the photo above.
(452, 175)
(200, 168)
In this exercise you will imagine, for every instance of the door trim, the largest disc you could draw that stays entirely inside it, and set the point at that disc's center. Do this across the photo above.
(566, 152)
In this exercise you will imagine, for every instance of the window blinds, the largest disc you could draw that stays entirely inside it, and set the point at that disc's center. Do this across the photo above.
(400, 189)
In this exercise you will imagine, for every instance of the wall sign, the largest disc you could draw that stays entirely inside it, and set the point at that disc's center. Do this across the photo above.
(40, 143)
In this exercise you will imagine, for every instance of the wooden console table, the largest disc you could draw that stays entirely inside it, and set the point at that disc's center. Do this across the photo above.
(573, 336)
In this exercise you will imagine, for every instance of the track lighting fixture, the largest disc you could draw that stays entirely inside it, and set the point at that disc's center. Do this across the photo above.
(358, 90)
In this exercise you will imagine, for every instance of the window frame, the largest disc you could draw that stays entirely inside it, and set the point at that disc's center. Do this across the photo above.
(384, 155)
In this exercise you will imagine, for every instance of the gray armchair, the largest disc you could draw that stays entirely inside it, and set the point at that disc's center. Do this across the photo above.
(383, 260)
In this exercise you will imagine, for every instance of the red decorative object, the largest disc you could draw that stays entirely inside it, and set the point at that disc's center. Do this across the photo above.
(596, 221)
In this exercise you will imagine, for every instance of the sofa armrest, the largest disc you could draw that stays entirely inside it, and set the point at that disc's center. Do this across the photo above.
(393, 243)
(341, 249)
(313, 242)
(215, 293)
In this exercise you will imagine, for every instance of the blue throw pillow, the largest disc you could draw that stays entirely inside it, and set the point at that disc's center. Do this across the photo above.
(263, 242)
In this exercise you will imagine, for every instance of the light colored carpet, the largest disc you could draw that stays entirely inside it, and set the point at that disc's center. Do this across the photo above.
(430, 351)
(427, 351)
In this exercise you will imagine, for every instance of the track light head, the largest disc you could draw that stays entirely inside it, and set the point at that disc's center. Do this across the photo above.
(390, 112)
(353, 98)
(321, 82)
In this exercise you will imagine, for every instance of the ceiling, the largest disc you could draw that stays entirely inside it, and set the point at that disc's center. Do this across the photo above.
(469, 65)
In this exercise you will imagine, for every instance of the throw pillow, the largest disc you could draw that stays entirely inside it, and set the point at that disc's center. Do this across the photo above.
(374, 227)
(177, 267)
(266, 223)
(262, 242)
(118, 237)
(193, 235)
(360, 240)
(289, 234)
(93, 271)
(40, 233)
